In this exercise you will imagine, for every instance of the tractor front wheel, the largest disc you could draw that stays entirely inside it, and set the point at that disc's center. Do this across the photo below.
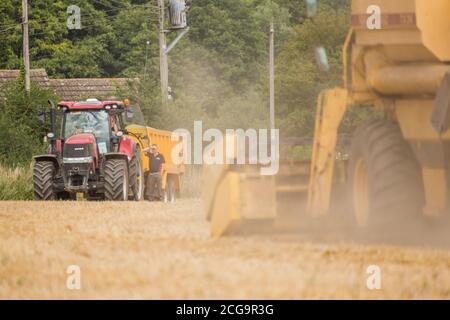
(43, 174)
(116, 180)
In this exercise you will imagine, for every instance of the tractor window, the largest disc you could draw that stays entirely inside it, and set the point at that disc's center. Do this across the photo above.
(95, 122)
(134, 116)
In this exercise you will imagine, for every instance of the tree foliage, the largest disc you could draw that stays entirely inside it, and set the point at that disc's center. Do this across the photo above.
(22, 135)
(218, 73)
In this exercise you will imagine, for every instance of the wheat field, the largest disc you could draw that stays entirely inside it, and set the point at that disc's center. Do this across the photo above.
(160, 251)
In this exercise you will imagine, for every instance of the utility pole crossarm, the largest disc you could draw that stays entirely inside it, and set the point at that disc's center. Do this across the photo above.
(176, 40)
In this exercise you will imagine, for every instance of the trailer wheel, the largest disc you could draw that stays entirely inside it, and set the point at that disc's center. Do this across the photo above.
(43, 174)
(116, 180)
(385, 179)
(170, 194)
(137, 176)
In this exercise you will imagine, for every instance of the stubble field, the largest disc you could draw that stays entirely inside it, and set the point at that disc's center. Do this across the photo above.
(160, 251)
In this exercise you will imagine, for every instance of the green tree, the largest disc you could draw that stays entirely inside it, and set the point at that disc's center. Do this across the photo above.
(299, 80)
(229, 29)
(22, 135)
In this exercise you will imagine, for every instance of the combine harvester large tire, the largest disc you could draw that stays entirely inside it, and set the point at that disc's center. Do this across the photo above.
(385, 179)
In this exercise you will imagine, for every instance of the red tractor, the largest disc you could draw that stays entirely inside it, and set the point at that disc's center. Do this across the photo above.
(93, 155)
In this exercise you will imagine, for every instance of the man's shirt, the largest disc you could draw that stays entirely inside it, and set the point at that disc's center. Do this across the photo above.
(155, 162)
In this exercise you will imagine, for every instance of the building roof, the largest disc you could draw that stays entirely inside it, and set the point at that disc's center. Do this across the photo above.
(79, 89)
(72, 89)
(38, 75)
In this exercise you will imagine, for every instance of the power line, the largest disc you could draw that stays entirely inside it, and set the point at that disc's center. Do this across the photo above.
(10, 24)
(84, 27)
(153, 10)
(91, 19)
(4, 31)
(121, 3)
(37, 57)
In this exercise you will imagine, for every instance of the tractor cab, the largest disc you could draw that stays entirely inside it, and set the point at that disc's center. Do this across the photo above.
(93, 118)
(91, 130)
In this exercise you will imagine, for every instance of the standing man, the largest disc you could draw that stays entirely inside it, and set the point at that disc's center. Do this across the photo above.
(114, 124)
(154, 180)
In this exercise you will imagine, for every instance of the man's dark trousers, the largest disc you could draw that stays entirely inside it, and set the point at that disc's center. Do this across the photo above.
(154, 186)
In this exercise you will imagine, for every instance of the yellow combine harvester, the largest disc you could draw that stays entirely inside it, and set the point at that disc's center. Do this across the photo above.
(398, 167)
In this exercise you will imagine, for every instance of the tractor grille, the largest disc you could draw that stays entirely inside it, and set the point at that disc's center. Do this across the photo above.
(77, 150)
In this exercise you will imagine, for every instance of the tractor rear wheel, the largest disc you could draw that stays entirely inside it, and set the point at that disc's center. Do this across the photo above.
(116, 180)
(43, 174)
(137, 176)
(385, 179)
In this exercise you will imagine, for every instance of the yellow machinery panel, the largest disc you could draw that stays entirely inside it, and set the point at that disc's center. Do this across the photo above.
(331, 107)
(410, 29)
(234, 198)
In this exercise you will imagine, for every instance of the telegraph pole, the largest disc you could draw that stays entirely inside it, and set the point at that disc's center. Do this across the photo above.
(26, 48)
(163, 64)
(178, 21)
(272, 76)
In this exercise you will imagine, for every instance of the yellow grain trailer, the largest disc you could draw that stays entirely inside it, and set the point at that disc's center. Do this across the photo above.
(172, 176)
